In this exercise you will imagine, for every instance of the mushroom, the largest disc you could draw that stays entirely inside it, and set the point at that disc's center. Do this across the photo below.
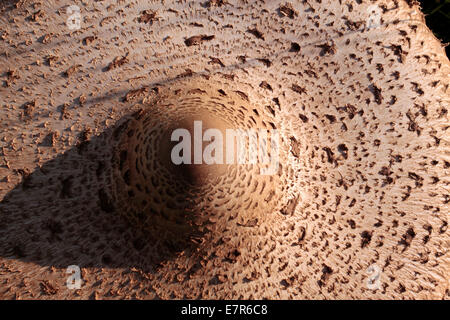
(357, 208)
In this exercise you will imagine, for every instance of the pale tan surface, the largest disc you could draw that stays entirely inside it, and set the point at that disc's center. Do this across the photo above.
(365, 180)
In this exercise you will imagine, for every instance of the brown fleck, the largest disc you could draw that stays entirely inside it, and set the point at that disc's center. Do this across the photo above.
(73, 69)
(256, 33)
(298, 89)
(147, 16)
(196, 40)
(117, 62)
(47, 288)
(88, 40)
(288, 11)
(289, 208)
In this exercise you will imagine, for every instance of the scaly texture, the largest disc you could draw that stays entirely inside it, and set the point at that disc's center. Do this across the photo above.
(363, 115)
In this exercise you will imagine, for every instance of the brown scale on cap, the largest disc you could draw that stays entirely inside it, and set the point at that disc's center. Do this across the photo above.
(362, 111)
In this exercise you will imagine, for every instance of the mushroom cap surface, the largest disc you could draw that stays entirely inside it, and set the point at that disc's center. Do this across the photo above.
(358, 91)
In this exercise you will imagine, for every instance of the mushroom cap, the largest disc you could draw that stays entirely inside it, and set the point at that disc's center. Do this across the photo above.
(358, 91)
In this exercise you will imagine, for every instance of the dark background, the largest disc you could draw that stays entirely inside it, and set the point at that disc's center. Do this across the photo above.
(437, 13)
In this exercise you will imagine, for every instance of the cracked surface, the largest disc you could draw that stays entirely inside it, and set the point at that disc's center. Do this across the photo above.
(363, 116)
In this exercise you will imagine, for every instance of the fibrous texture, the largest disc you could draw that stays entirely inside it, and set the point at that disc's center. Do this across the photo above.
(358, 91)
